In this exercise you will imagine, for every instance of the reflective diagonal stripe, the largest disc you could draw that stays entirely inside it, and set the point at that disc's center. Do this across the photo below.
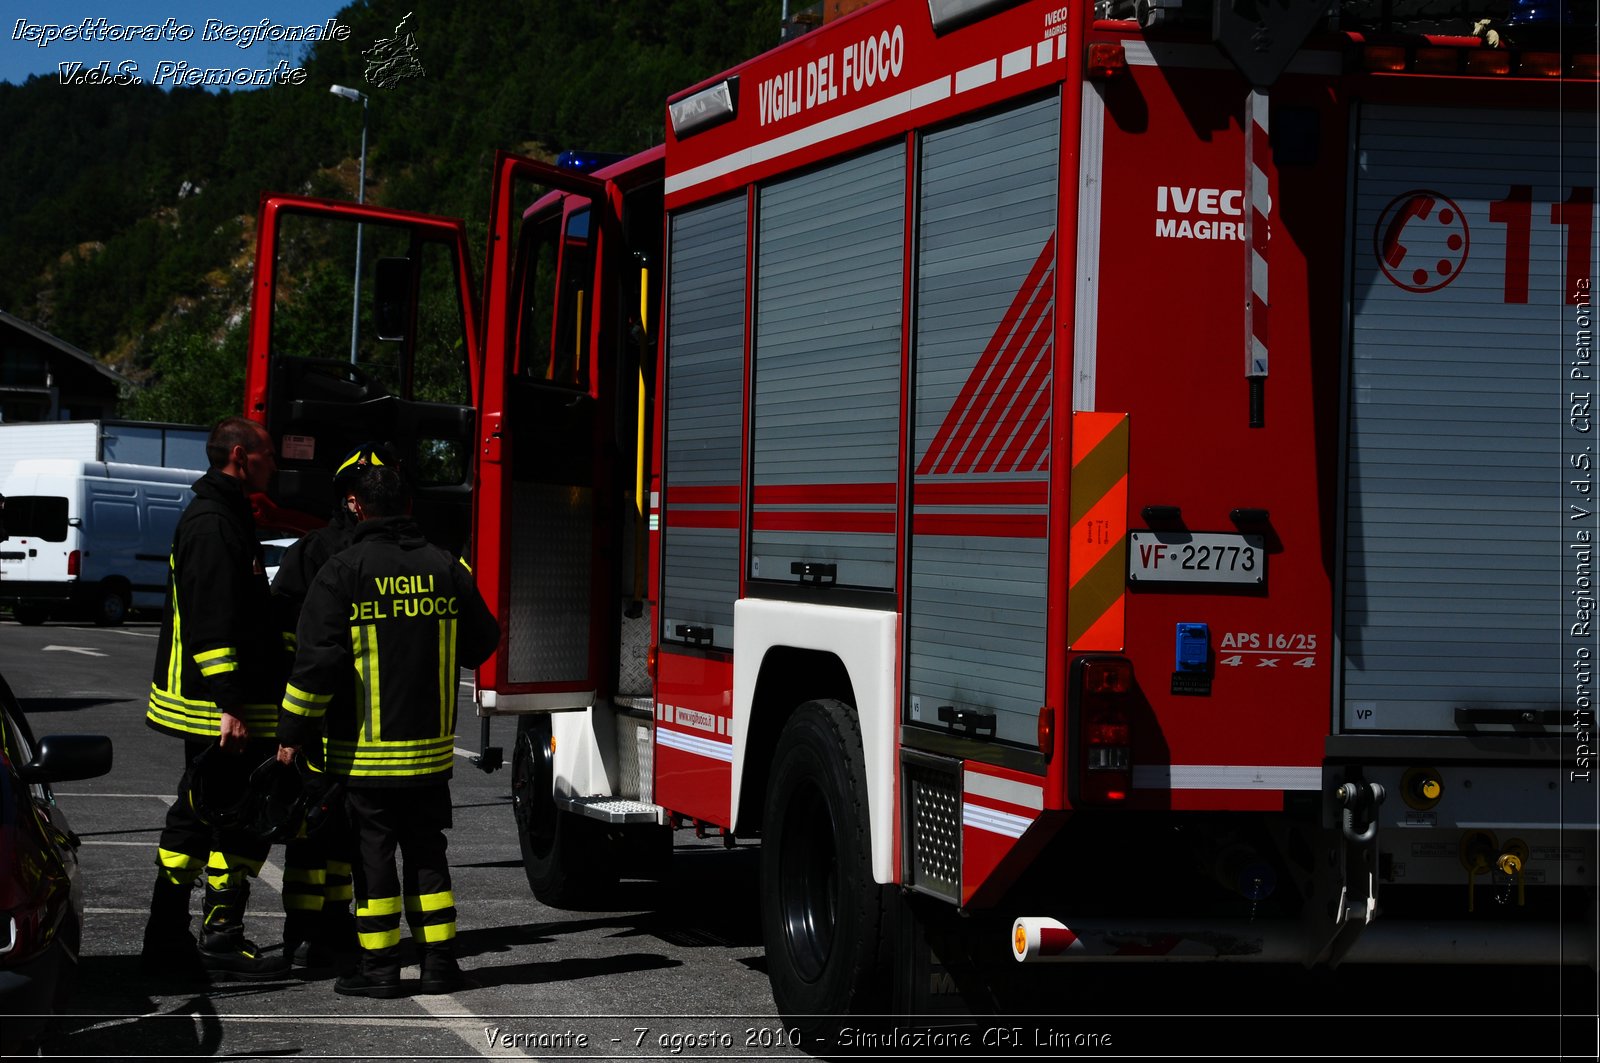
(988, 428)
(1098, 549)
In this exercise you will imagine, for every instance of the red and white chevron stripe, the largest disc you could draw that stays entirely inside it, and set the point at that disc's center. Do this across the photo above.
(1257, 231)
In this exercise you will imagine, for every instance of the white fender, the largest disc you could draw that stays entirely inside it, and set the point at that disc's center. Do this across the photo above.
(865, 640)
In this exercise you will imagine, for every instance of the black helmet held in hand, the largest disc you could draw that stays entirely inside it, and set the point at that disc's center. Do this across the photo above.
(273, 801)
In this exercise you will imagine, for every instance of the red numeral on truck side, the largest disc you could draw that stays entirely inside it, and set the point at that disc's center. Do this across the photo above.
(1576, 214)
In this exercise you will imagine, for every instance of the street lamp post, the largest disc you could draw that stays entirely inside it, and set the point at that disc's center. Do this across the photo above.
(361, 197)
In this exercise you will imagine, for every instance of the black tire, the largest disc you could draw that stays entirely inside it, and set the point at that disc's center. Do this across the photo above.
(822, 915)
(111, 609)
(564, 856)
(29, 615)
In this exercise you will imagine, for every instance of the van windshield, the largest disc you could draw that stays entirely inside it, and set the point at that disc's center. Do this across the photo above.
(37, 517)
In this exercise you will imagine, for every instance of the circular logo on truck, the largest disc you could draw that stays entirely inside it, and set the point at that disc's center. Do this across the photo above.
(1421, 241)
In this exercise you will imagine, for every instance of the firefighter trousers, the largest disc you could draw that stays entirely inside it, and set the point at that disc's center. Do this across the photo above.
(317, 869)
(412, 820)
(188, 846)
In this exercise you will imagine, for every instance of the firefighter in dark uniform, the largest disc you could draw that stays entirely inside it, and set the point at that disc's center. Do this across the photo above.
(391, 619)
(219, 671)
(317, 875)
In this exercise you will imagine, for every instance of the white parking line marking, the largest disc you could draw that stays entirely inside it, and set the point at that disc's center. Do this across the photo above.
(168, 798)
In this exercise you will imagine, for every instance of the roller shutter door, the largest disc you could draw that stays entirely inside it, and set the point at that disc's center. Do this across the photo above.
(1463, 561)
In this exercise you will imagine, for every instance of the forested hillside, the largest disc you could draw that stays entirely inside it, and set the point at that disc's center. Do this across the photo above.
(126, 212)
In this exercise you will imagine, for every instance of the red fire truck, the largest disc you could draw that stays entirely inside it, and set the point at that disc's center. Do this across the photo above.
(992, 442)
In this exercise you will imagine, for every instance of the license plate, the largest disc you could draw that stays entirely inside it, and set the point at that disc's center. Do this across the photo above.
(1197, 557)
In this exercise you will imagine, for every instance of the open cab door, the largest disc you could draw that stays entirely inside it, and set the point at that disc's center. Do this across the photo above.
(363, 329)
(571, 292)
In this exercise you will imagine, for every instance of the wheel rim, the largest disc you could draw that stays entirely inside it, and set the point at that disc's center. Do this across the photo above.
(809, 882)
(535, 812)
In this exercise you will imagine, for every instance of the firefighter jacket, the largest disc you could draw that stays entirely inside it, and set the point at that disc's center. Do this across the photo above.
(300, 565)
(386, 625)
(219, 646)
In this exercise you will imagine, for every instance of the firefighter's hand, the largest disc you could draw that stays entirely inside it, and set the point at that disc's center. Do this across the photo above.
(286, 754)
(234, 734)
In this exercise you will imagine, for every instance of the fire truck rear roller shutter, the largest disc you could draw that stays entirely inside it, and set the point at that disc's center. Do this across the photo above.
(1459, 432)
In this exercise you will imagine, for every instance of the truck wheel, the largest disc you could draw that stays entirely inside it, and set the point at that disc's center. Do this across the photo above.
(30, 615)
(564, 856)
(822, 915)
(112, 607)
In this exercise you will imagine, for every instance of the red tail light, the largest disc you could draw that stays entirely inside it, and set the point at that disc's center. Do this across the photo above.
(1104, 693)
(1105, 60)
(72, 563)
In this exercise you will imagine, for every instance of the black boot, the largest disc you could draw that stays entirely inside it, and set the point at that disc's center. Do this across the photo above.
(322, 939)
(440, 973)
(224, 950)
(376, 975)
(337, 930)
(170, 950)
(301, 938)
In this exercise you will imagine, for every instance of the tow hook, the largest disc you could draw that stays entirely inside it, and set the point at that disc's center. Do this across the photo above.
(1360, 801)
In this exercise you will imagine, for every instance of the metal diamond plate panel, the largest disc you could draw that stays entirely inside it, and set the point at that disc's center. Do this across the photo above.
(633, 677)
(547, 634)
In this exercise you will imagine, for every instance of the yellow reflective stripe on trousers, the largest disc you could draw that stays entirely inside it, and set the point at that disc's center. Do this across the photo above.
(429, 935)
(171, 859)
(378, 906)
(430, 902)
(381, 940)
(232, 862)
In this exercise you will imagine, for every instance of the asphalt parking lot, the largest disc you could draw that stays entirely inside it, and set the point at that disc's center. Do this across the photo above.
(656, 970)
(550, 983)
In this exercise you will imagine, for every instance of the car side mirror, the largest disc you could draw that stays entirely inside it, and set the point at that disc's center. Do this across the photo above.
(65, 758)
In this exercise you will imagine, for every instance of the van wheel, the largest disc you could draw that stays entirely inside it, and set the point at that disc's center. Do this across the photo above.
(822, 914)
(30, 615)
(112, 608)
(564, 856)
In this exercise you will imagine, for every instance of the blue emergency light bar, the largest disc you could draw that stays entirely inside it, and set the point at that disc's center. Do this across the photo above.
(587, 161)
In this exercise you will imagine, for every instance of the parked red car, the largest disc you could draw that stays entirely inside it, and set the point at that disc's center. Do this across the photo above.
(41, 893)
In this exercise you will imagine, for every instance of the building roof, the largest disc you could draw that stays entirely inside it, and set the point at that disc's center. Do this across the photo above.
(65, 348)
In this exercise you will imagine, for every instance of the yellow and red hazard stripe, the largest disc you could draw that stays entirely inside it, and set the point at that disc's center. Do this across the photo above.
(1097, 555)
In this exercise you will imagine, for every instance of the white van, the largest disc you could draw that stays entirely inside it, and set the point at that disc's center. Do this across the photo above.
(88, 538)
